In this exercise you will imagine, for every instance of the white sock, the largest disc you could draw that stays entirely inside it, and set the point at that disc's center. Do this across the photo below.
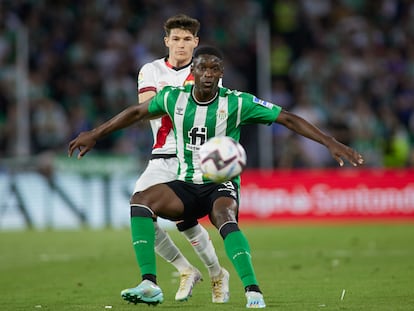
(166, 248)
(200, 240)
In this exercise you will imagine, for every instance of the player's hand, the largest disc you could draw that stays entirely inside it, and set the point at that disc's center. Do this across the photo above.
(340, 151)
(84, 142)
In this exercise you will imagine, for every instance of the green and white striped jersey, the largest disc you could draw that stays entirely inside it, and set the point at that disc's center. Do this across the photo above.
(194, 122)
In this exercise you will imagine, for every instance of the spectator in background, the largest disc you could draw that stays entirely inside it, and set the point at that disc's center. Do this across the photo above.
(50, 126)
(365, 130)
(395, 143)
(355, 61)
(281, 58)
(5, 125)
(339, 52)
(316, 155)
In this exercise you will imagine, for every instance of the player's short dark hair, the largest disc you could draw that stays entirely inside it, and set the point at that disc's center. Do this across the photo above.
(209, 50)
(182, 21)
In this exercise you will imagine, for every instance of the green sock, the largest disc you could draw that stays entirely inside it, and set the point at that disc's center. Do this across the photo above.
(238, 251)
(143, 240)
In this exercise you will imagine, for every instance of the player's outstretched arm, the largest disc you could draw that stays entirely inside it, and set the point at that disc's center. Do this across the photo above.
(338, 150)
(85, 141)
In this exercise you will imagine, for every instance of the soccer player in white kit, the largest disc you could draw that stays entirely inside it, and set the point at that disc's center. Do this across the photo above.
(175, 70)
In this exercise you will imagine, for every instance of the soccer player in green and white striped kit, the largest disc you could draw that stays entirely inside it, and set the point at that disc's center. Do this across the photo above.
(199, 112)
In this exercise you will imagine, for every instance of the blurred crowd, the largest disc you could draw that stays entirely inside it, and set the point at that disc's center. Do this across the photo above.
(348, 66)
(345, 65)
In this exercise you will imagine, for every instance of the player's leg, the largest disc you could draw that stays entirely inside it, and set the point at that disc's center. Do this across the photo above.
(159, 171)
(199, 238)
(224, 216)
(189, 275)
(143, 240)
(159, 198)
(166, 248)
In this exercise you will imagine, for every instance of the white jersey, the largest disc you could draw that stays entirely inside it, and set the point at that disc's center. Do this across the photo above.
(153, 77)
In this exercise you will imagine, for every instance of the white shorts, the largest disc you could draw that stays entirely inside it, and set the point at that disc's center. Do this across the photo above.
(157, 171)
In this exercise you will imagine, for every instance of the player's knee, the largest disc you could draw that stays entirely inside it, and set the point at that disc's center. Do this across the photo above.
(224, 210)
(135, 198)
(141, 205)
(142, 198)
(138, 210)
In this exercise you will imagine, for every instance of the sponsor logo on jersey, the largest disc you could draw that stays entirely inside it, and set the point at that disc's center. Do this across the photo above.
(197, 136)
(262, 102)
(179, 110)
(192, 148)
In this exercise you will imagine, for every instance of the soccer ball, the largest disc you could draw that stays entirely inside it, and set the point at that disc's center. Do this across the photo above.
(222, 158)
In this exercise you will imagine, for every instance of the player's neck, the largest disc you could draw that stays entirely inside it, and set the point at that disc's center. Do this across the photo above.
(203, 98)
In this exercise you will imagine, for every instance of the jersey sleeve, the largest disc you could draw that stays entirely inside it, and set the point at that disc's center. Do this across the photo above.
(146, 79)
(163, 102)
(256, 110)
(157, 105)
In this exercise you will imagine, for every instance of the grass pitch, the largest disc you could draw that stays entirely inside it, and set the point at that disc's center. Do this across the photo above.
(299, 267)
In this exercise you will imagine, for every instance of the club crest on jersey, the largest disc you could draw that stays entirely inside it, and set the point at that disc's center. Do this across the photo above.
(262, 102)
(222, 114)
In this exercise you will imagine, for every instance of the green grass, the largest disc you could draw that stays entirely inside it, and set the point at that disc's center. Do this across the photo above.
(299, 268)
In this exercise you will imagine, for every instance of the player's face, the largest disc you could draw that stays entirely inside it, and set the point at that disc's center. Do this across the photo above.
(181, 44)
(207, 71)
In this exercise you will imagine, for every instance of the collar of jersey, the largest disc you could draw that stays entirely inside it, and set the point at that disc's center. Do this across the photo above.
(167, 63)
(202, 103)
